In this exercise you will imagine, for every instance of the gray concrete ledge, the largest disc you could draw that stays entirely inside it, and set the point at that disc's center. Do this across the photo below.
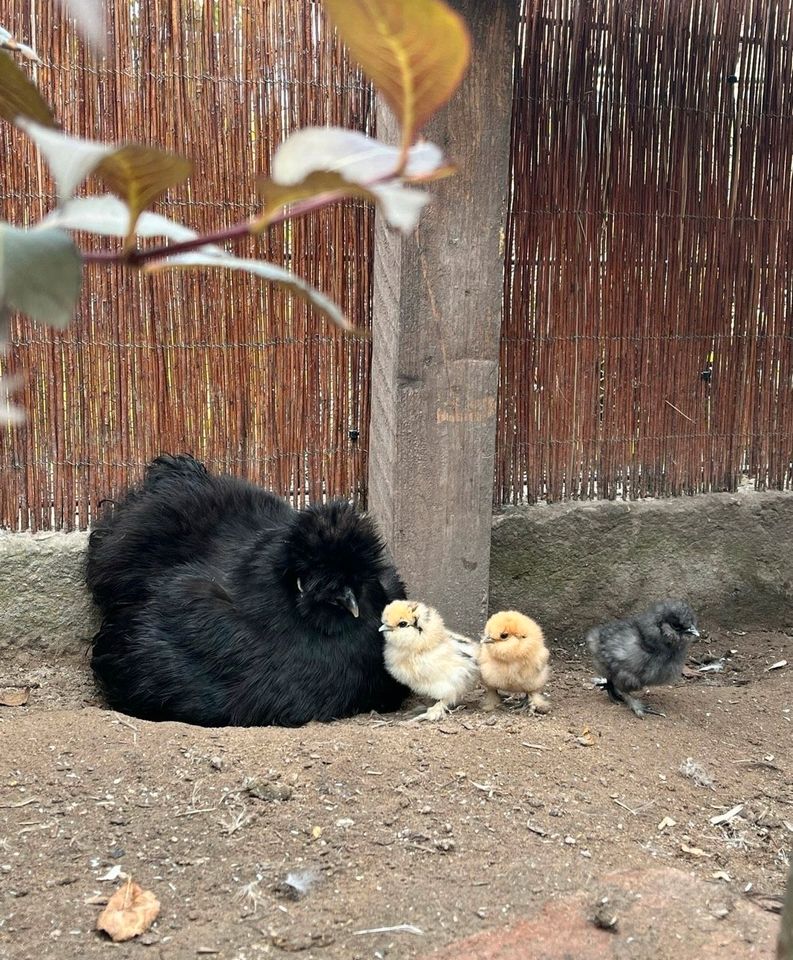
(43, 601)
(569, 565)
(573, 565)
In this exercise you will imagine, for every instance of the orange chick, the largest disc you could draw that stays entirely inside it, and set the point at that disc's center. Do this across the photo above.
(513, 657)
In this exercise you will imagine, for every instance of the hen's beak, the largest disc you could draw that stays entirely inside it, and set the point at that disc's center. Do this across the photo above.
(383, 628)
(348, 601)
(693, 630)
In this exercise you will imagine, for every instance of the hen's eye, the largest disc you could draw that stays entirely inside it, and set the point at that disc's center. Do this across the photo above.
(403, 623)
(504, 636)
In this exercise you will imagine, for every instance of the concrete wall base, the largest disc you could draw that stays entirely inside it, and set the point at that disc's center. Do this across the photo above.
(568, 565)
(574, 565)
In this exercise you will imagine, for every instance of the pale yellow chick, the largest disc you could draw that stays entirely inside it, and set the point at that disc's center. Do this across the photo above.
(421, 653)
(513, 657)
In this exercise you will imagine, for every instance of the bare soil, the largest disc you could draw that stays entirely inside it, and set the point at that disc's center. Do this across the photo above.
(453, 828)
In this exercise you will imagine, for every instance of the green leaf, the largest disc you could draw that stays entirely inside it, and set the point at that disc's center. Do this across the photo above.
(140, 175)
(261, 268)
(358, 158)
(400, 206)
(320, 183)
(40, 273)
(414, 51)
(331, 163)
(137, 174)
(71, 159)
(19, 97)
(11, 43)
(109, 216)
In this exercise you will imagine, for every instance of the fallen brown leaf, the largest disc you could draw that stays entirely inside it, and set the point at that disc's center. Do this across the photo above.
(129, 912)
(14, 696)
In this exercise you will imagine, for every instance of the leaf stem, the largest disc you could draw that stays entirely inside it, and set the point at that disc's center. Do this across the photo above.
(136, 258)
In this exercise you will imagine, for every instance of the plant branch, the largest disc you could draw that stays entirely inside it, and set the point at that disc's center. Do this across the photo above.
(246, 228)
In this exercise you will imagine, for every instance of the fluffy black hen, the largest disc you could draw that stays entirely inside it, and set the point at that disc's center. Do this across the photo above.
(222, 605)
(643, 651)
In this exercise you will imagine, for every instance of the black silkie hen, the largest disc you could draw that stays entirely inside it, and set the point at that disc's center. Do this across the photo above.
(643, 651)
(222, 605)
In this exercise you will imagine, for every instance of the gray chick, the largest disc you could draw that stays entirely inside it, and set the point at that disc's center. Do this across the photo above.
(643, 651)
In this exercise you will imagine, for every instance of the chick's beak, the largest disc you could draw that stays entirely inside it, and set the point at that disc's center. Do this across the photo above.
(348, 601)
(383, 628)
(486, 639)
(693, 631)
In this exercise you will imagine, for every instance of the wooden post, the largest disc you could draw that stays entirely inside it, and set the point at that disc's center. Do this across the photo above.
(437, 315)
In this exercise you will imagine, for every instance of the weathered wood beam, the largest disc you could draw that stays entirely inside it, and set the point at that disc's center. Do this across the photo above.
(437, 314)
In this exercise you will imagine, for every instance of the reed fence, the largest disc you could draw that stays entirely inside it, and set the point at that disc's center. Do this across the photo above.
(647, 346)
(213, 363)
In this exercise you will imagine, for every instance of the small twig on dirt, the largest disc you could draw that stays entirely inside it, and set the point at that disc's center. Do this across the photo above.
(21, 803)
(36, 826)
(373, 773)
(190, 813)
(100, 900)
(535, 746)
(727, 817)
(758, 764)
(631, 809)
(399, 928)
(487, 788)
(125, 723)
(418, 846)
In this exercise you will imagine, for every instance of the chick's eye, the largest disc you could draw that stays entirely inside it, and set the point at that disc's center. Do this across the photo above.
(503, 636)
(402, 623)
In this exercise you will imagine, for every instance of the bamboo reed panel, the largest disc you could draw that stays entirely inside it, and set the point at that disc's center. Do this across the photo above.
(213, 363)
(649, 240)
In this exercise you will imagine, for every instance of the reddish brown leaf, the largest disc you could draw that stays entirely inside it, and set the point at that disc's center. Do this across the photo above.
(129, 912)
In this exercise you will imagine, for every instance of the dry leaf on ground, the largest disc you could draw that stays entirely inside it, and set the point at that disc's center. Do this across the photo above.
(129, 912)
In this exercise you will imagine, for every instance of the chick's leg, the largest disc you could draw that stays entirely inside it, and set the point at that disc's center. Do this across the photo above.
(640, 708)
(539, 703)
(613, 692)
(436, 712)
(491, 700)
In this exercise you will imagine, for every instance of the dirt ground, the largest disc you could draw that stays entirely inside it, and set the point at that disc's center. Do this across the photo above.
(452, 829)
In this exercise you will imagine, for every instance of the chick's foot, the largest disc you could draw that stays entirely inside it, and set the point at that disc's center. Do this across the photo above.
(539, 704)
(491, 700)
(436, 712)
(641, 709)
